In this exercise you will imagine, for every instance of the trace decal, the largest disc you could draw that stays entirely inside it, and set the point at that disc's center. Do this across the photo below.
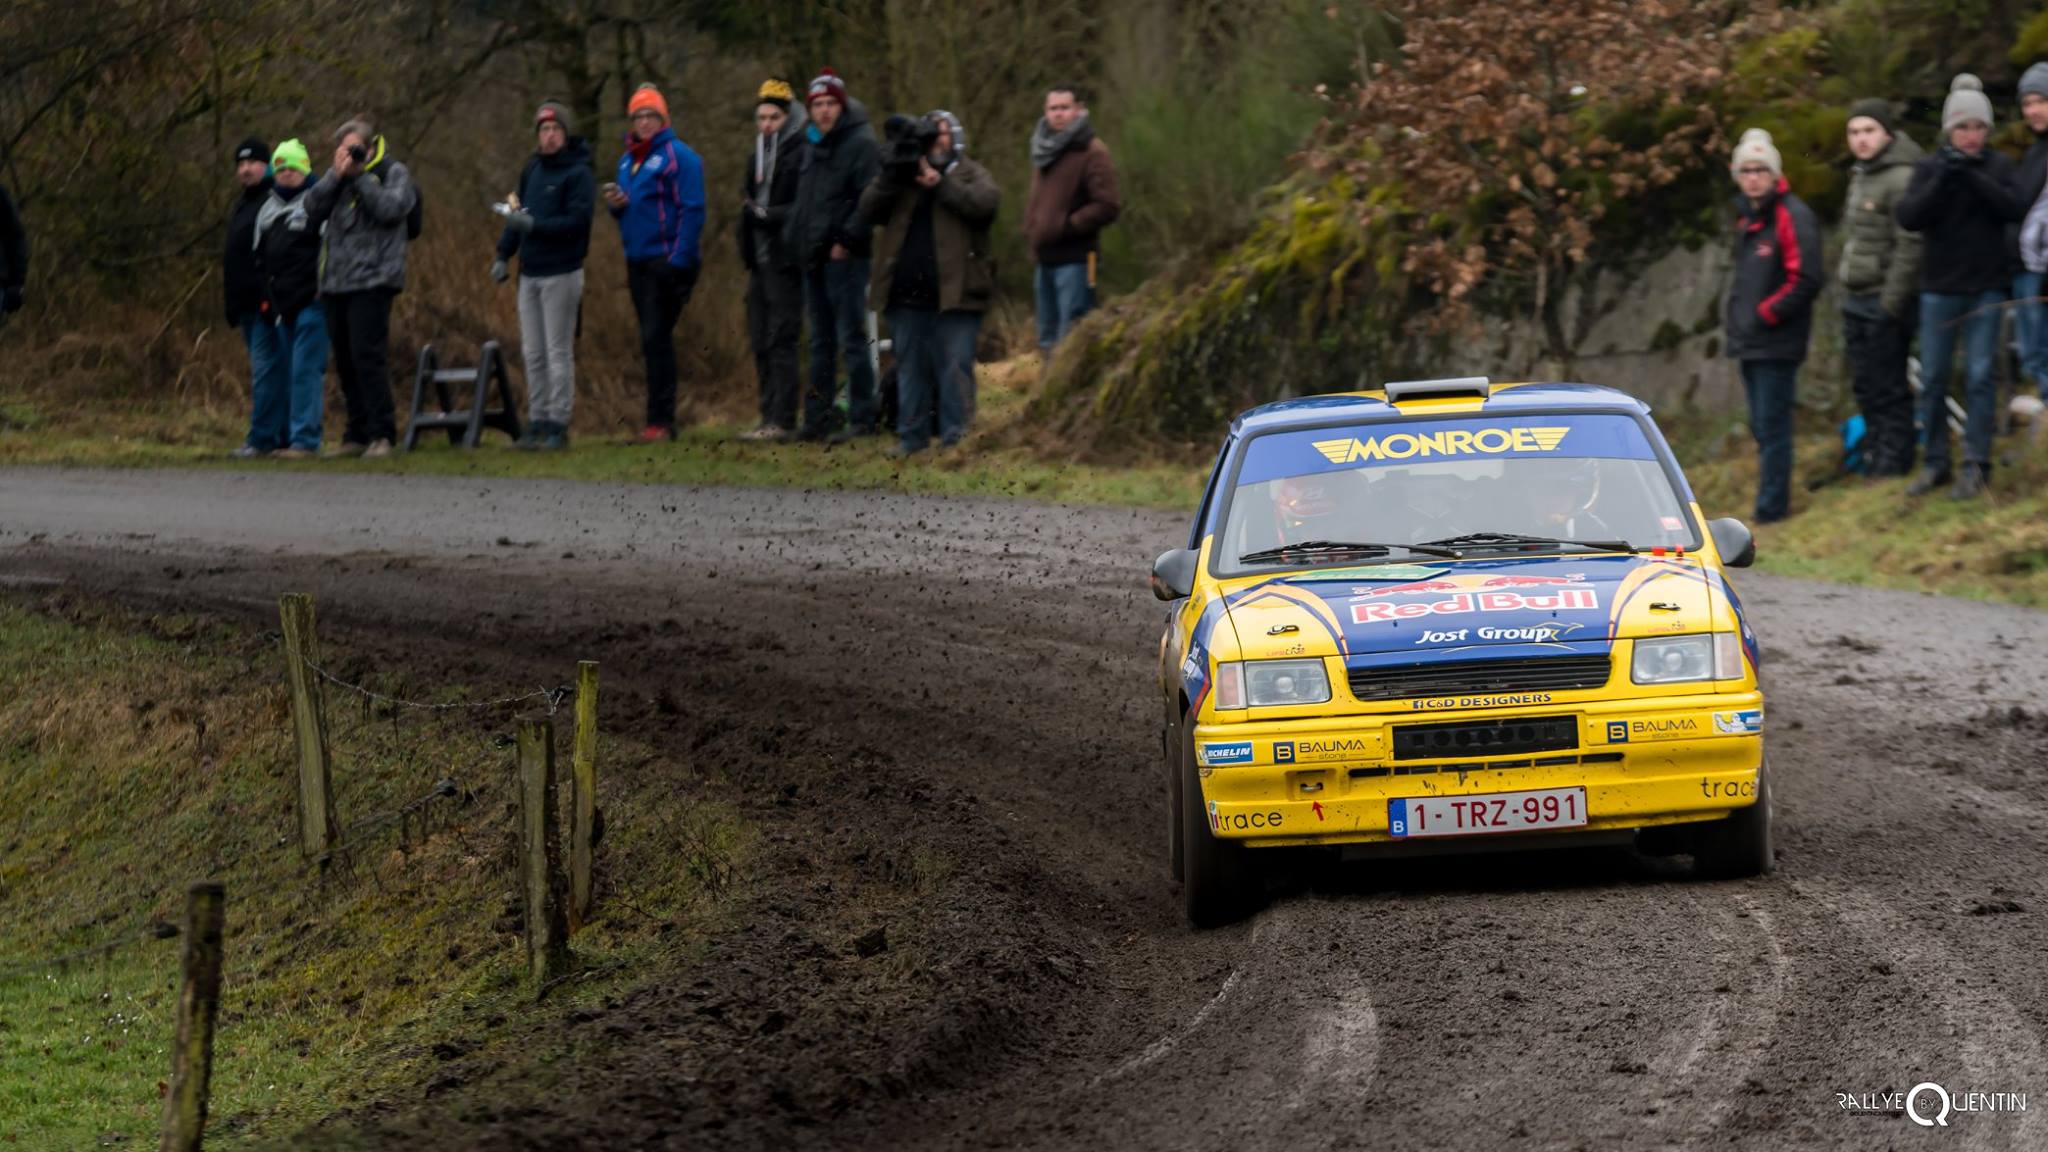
(1323, 751)
(1244, 821)
(1237, 752)
(1466, 603)
(1747, 722)
(1448, 442)
(1454, 703)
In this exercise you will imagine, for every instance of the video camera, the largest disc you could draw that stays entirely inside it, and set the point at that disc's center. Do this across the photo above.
(910, 139)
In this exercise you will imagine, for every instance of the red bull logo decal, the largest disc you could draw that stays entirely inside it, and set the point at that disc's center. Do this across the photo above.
(1464, 603)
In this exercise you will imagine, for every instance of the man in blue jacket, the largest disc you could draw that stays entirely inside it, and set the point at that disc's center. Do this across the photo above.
(549, 230)
(658, 200)
(1770, 308)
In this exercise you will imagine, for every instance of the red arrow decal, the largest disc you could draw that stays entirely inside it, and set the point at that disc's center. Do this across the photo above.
(1318, 806)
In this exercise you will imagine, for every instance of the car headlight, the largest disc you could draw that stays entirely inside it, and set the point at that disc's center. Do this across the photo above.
(1687, 659)
(1271, 683)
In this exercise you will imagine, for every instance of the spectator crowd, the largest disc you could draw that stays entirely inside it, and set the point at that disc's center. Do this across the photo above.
(837, 223)
(1941, 245)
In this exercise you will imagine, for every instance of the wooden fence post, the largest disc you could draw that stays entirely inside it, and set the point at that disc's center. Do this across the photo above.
(540, 853)
(317, 833)
(198, 1006)
(583, 794)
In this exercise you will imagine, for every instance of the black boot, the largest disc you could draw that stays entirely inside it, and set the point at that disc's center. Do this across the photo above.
(1929, 479)
(1969, 482)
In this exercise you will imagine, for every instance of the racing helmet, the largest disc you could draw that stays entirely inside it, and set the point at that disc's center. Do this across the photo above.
(1305, 506)
(1570, 491)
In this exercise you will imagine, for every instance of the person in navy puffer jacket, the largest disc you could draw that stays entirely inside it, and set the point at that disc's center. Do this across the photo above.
(658, 200)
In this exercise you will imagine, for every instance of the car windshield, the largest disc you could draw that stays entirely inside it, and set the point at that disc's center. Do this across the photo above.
(1576, 477)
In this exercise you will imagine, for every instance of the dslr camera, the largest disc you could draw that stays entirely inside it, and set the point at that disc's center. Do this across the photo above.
(358, 153)
(909, 139)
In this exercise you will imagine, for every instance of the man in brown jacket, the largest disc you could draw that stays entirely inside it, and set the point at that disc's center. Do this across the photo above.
(1073, 198)
(933, 277)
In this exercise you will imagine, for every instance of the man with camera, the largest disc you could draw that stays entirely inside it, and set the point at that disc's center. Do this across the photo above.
(830, 240)
(1073, 198)
(547, 226)
(933, 274)
(368, 203)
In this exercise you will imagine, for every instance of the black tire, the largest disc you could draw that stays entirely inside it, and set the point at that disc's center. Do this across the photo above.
(1739, 845)
(1176, 853)
(1220, 882)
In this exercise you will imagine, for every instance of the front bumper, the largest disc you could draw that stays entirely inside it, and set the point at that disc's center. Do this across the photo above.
(1642, 762)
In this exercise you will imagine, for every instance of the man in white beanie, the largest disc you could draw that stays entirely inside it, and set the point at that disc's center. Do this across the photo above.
(1960, 201)
(2030, 240)
(1770, 308)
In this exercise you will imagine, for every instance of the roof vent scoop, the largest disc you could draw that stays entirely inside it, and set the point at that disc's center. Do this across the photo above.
(1399, 390)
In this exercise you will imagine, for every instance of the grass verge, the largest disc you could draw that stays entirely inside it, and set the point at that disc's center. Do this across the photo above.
(145, 752)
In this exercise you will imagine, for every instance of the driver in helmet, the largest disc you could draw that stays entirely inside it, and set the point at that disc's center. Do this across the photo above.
(1306, 507)
(1564, 507)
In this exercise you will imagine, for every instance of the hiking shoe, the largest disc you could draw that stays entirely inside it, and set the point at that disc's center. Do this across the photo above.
(293, 454)
(344, 449)
(766, 432)
(900, 451)
(248, 452)
(1927, 481)
(378, 449)
(852, 432)
(1969, 483)
(536, 433)
(557, 438)
(655, 433)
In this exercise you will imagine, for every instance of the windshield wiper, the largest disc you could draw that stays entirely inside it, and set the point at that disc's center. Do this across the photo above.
(1486, 539)
(1327, 547)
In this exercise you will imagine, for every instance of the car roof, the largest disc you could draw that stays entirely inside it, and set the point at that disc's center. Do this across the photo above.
(1504, 399)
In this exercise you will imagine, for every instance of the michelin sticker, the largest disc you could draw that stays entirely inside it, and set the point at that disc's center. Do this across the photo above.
(1236, 752)
(1747, 722)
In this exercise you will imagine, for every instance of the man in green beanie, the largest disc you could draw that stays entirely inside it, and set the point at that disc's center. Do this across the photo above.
(287, 243)
(1880, 286)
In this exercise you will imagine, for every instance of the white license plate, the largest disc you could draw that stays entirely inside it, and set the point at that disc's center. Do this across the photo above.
(1412, 816)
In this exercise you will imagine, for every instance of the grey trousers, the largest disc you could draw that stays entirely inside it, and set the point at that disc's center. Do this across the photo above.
(548, 307)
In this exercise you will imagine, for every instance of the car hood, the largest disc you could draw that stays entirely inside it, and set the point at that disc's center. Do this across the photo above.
(1428, 610)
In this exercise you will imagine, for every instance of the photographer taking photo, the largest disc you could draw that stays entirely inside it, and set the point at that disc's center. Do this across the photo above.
(933, 274)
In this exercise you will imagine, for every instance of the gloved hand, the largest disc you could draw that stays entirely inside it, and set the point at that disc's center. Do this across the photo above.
(1954, 159)
(10, 300)
(499, 273)
(519, 221)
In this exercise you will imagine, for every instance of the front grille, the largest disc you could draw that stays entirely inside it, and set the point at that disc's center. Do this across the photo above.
(1485, 738)
(1476, 677)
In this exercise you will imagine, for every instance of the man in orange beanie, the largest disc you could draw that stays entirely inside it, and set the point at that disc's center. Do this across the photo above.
(658, 200)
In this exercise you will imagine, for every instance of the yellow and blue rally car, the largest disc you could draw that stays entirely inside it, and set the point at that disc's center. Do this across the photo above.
(1450, 614)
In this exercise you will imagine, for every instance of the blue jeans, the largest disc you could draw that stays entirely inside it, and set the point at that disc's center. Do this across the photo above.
(1064, 296)
(836, 298)
(1769, 386)
(1974, 320)
(269, 379)
(934, 362)
(302, 343)
(2030, 315)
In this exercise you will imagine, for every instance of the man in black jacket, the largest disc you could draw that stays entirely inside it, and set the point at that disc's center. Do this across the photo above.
(775, 285)
(244, 293)
(13, 257)
(1960, 201)
(548, 228)
(830, 241)
(287, 242)
(1770, 308)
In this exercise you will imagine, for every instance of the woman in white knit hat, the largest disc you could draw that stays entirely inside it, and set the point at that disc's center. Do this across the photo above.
(1770, 308)
(1960, 201)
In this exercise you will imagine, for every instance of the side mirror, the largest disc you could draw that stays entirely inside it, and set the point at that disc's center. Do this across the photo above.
(1173, 574)
(1733, 540)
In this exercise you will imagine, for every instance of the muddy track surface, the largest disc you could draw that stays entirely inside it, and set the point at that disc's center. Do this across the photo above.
(938, 713)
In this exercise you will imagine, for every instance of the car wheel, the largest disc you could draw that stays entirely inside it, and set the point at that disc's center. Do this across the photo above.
(1739, 845)
(1220, 882)
(1176, 853)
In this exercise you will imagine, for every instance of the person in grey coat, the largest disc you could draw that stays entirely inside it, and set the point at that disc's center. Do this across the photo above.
(370, 208)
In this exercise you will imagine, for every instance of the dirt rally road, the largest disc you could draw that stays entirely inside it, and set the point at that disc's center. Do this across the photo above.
(939, 714)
